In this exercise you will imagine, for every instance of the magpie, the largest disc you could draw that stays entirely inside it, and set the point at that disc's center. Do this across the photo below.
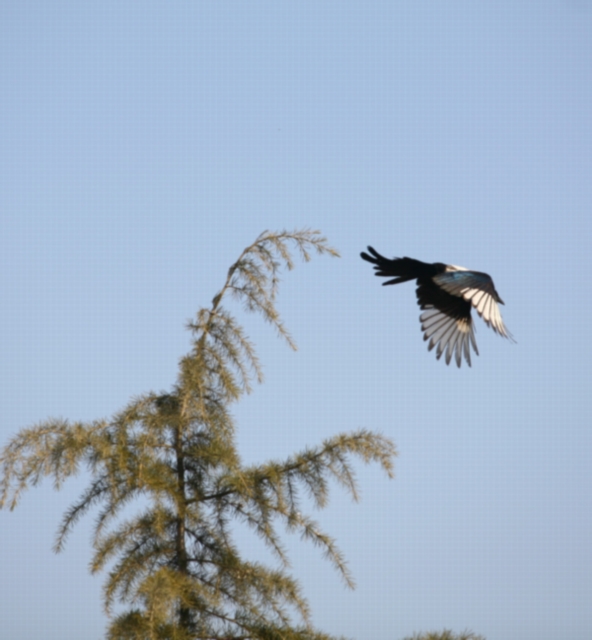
(446, 293)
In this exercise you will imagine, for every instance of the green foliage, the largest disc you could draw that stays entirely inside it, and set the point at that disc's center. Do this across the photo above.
(175, 563)
(446, 634)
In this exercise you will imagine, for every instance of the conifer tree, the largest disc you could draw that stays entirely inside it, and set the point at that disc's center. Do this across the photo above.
(174, 564)
(446, 634)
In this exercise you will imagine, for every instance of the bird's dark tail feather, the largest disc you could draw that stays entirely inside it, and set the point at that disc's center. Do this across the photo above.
(404, 269)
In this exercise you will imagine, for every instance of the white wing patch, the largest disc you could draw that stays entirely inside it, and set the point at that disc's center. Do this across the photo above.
(450, 335)
(477, 288)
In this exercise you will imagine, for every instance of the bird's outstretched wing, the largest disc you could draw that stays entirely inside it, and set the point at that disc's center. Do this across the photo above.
(446, 322)
(478, 289)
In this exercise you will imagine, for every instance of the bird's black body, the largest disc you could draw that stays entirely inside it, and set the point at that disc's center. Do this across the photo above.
(446, 294)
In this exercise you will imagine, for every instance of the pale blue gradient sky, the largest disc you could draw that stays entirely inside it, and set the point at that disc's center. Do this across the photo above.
(145, 144)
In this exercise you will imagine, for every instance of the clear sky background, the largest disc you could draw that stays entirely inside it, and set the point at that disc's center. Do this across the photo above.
(145, 144)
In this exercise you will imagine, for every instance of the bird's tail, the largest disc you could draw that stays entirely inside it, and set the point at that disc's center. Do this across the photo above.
(404, 269)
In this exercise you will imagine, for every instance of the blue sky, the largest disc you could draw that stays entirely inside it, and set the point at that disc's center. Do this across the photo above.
(144, 145)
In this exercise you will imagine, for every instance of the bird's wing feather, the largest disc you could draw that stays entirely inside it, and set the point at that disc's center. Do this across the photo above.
(478, 289)
(446, 322)
(448, 334)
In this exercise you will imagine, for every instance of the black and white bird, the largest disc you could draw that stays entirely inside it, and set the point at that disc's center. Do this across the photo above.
(446, 294)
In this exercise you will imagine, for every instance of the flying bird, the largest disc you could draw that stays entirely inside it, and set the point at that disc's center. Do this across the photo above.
(446, 293)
